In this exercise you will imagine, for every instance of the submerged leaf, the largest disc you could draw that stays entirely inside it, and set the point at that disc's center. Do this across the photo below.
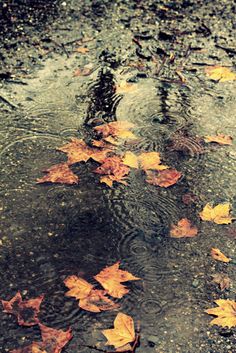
(184, 229)
(222, 280)
(218, 214)
(59, 173)
(220, 73)
(219, 256)
(225, 312)
(164, 178)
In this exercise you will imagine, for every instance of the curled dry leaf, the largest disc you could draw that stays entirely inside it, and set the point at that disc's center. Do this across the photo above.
(222, 280)
(59, 173)
(225, 312)
(219, 214)
(123, 332)
(114, 170)
(111, 278)
(53, 341)
(220, 73)
(90, 299)
(26, 311)
(219, 256)
(116, 129)
(164, 178)
(221, 139)
(184, 229)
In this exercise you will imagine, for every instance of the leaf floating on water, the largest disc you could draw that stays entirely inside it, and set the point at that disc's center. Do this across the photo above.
(219, 214)
(111, 278)
(130, 159)
(163, 178)
(221, 139)
(225, 312)
(122, 333)
(219, 256)
(184, 229)
(90, 299)
(222, 280)
(116, 129)
(18, 307)
(220, 73)
(59, 173)
(151, 160)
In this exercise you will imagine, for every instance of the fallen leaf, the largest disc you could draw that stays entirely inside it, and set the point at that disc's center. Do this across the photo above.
(77, 151)
(84, 71)
(59, 173)
(189, 198)
(53, 341)
(226, 312)
(116, 129)
(26, 311)
(219, 256)
(122, 333)
(125, 87)
(130, 159)
(82, 50)
(163, 178)
(90, 299)
(111, 277)
(184, 229)
(114, 170)
(220, 139)
(218, 214)
(222, 280)
(220, 73)
(151, 160)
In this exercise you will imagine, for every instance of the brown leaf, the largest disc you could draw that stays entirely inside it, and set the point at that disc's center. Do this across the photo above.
(59, 173)
(220, 73)
(164, 178)
(219, 256)
(26, 311)
(111, 277)
(184, 229)
(189, 198)
(222, 280)
(221, 139)
(114, 170)
(226, 312)
(84, 71)
(116, 129)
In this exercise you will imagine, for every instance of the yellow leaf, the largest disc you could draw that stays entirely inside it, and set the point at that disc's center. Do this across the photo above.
(221, 139)
(116, 130)
(130, 159)
(218, 214)
(219, 256)
(151, 160)
(226, 312)
(122, 333)
(220, 73)
(111, 277)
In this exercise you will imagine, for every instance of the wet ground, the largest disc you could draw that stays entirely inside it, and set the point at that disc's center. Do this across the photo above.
(51, 231)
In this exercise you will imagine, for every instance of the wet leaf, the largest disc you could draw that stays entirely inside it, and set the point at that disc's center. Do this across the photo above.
(82, 50)
(131, 160)
(90, 299)
(218, 214)
(184, 229)
(116, 129)
(225, 312)
(114, 170)
(220, 73)
(222, 280)
(111, 278)
(59, 173)
(221, 139)
(26, 311)
(189, 198)
(53, 341)
(151, 160)
(163, 178)
(122, 333)
(84, 71)
(219, 256)
(77, 151)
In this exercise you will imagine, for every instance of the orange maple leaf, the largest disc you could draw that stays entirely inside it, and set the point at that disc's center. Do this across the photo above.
(221, 139)
(90, 299)
(184, 229)
(111, 277)
(59, 173)
(226, 312)
(145, 161)
(114, 170)
(116, 129)
(122, 333)
(219, 256)
(82, 50)
(164, 178)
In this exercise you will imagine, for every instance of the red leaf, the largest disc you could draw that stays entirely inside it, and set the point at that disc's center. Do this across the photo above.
(164, 178)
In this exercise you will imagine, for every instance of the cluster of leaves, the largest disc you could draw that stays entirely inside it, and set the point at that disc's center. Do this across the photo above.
(122, 337)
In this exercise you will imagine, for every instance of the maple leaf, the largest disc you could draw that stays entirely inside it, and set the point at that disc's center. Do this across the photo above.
(77, 151)
(53, 341)
(130, 159)
(26, 311)
(221, 139)
(220, 73)
(183, 229)
(82, 50)
(59, 173)
(222, 280)
(114, 170)
(116, 129)
(218, 214)
(145, 161)
(164, 178)
(219, 256)
(90, 299)
(111, 277)
(226, 312)
(122, 333)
